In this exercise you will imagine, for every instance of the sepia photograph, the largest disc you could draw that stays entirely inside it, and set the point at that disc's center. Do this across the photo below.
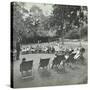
(49, 44)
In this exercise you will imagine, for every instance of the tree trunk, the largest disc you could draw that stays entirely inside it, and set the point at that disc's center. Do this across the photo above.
(62, 40)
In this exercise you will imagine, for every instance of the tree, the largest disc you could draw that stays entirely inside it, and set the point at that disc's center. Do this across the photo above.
(66, 16)
(32, 22)
(18, 22)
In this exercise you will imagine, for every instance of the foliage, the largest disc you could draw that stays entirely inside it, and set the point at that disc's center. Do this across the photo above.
(29, 24)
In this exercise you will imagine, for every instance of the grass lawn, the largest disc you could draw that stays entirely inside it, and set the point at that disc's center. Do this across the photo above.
(50, 77)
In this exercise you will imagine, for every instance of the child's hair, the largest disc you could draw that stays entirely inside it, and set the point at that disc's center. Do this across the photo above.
(82, 50)
(23, 59)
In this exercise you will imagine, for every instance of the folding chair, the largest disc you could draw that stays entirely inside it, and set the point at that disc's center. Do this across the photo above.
(44, 63)
(57, 60)
(26, 69)
(71, 58)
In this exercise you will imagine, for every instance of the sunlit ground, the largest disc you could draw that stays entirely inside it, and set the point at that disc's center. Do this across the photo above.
(77, 75)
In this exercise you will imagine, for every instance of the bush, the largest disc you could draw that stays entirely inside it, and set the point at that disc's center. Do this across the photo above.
(73, 34)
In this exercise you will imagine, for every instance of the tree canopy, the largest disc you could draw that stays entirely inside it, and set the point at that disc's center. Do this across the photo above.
(64, 21)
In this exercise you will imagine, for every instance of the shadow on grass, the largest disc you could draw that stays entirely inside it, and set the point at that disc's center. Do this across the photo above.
(84, 81)
(44, 73)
